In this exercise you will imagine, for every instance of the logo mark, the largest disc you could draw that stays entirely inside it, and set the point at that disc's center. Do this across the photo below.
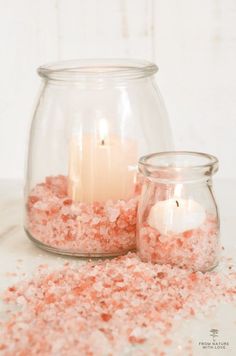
(212, 343)
(214, 333)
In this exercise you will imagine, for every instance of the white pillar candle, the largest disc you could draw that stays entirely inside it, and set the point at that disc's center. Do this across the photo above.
(176, 215)
(101, 166)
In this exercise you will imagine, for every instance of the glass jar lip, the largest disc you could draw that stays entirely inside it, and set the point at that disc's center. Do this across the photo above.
(98, 69)
(178, 165)
(210, 159)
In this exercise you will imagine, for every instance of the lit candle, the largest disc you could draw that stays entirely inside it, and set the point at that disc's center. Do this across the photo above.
(176, 215)
(101, 167)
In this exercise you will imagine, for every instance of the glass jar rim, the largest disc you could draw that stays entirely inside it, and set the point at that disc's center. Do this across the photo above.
(98, 69)
(178, 165)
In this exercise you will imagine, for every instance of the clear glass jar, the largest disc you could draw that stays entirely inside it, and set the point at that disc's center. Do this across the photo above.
(93, 119)
(178, 222)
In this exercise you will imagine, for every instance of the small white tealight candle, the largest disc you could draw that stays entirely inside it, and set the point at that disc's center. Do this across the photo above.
(176, 215)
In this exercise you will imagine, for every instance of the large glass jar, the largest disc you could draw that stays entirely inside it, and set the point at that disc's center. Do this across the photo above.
(93, 119)
(178, 221)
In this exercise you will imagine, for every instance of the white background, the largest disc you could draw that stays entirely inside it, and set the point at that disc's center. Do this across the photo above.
(192, 41)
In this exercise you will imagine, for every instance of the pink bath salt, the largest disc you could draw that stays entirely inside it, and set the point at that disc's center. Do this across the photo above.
(113, 214)
(58, 185)
(119, 306)
(2, 347)
(136, 340)
(106, 317)
(196, 249)
(78, 228)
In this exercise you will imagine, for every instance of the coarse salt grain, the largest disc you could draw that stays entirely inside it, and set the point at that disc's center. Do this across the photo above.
(66, 312)
(78, 228)
(196, 249)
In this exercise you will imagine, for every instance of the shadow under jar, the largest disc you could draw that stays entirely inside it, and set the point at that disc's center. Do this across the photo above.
(94, 118)
(178, 222)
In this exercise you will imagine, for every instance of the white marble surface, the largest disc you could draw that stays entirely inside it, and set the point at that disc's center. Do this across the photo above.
(15, 246)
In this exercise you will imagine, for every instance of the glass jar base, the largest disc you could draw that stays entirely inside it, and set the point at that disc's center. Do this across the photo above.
(190, 267)
(75, 253)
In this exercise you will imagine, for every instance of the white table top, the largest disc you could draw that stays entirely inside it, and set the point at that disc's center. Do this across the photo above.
(14, 245)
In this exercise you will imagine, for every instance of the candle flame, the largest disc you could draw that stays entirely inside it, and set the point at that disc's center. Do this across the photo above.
(103, 131)
(178, 190)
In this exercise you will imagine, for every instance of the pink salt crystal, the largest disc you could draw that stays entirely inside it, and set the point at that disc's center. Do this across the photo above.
(106, 317)
(110, 306)
(12, 289)
(84, 218)
(21, 300)
(57, 184)
(194, 249)
(97, 228)
(67, 201)
(2, 347)
(113, 214)
(136, 340)
(96, 220)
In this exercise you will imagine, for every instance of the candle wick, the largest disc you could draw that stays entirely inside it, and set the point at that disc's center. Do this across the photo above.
(103, 142)
(177, 203)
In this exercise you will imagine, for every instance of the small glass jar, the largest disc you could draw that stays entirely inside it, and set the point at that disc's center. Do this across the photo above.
(178, 222)
(93, 120)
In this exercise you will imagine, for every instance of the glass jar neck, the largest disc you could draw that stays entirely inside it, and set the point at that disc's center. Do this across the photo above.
(97, 70)
(178, 167)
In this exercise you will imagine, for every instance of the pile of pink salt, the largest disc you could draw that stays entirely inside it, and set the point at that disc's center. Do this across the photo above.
(196, 249)
(79, 228)
(112, 307)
